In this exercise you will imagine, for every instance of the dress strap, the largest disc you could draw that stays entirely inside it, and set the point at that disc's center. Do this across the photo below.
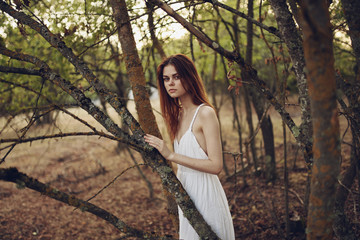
(193, 120)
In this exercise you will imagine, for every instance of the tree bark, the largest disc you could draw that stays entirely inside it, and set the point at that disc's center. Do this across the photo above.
(156, 43)
(138, 83)
(134, 68)
(248, 60)
(322, 90)
(293, 42)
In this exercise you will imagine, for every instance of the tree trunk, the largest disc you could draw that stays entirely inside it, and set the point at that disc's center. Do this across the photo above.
(318, 52)
(293, 42)
(342, 226)
(137, 79)
(351, 10)
(134, 68)
(213, 73)
(156, 43)
(248, 59)
(267, 134)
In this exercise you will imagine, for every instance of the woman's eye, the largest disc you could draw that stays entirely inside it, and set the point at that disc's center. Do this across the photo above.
(166, 79)
(177, 77)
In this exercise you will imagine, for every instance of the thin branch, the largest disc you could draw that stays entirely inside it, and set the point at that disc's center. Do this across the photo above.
(272, 30)
(34, 117)
(81, 66)
(25, 71)
(58, 135)
(248, 141)
(83, 101)
(22, 180)
(26, 87)
(119, 175)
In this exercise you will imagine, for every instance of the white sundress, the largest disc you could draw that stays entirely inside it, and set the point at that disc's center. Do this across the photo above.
(204, 189)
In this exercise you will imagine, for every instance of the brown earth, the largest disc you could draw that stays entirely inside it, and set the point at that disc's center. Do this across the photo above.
(84, 165)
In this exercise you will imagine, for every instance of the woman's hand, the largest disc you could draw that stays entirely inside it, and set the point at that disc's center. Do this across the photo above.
(159, 144)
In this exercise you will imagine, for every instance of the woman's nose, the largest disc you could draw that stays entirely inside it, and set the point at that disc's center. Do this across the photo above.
(171, 82)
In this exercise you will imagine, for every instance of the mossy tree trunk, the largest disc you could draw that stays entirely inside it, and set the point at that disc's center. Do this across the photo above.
(318, 52)
(138, 83)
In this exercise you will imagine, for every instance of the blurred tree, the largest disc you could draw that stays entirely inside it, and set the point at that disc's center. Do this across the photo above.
(318, 52)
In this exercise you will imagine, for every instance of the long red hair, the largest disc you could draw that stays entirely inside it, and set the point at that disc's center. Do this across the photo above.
(192, 83)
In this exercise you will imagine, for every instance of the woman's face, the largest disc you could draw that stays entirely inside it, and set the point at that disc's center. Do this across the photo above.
(172, 82)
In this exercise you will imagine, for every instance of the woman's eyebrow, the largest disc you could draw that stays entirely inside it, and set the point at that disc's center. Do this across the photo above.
(173, 74)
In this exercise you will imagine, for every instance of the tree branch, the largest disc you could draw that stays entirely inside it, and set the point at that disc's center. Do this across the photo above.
(293, 41)
(58, 135)
(272, 30)
(83, 101)
(22, 180)
(25, 71)
(81, 66)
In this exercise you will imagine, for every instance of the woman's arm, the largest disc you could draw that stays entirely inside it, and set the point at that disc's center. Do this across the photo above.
(207, 131)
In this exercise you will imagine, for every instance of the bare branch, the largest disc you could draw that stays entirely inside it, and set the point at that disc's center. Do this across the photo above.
(272, 30)
(22, 180)
(58, 135)
(25, 71)
(83, 101)
(112, 181)
(81, 66)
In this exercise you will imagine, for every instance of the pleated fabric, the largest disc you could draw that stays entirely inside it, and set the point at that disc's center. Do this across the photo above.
(204, 189)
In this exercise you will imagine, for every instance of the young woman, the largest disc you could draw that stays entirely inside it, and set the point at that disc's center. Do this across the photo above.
(194, 129)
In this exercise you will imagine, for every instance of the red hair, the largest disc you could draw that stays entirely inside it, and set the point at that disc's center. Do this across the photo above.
(192, 83)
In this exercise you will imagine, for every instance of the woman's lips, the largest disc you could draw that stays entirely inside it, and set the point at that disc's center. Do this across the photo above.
(172, 90)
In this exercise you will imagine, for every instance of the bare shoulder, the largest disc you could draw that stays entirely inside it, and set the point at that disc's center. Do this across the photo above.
(207, 113)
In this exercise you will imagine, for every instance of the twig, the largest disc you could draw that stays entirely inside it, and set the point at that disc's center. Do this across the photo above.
(296, 194)
(32, 121)
(22, 180)
(107, 185)
(248, 141)
(352, 195)
(59, 135)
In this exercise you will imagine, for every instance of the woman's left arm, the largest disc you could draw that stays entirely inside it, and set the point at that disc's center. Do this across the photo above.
(210, 141)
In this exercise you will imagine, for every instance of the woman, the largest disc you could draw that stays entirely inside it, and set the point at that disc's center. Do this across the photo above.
(194, 129)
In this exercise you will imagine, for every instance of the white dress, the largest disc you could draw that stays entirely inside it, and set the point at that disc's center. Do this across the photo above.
(204, 189)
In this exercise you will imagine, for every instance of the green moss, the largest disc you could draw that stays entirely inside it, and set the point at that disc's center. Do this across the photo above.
(84, 208)
(296, 131)
(20, 184)
(165, 169)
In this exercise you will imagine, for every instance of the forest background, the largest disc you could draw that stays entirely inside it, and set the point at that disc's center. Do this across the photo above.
(282, 75)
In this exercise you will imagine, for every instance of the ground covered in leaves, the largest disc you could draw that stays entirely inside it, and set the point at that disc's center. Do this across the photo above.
(83, 166)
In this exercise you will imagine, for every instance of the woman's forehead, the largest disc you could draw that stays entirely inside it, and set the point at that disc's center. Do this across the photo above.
(169, 70)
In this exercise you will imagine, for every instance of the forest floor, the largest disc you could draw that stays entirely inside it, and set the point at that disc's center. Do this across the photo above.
(83, 165)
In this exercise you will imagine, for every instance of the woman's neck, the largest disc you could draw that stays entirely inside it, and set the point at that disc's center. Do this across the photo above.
(187, 103)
